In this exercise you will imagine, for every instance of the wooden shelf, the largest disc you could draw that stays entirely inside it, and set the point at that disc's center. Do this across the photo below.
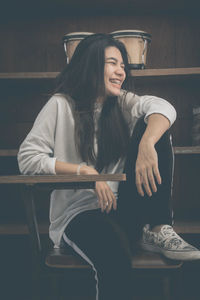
(8, 152)
(67, 178)
(134, 73)
(181, 227)
(29, 75)
(187, 150)
(166, 72)
(21, 229)
(177, 150)
(187, 227)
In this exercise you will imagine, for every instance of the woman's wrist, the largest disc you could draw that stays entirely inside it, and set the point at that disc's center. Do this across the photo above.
(78, 171)
(87, 170)
(146, 141)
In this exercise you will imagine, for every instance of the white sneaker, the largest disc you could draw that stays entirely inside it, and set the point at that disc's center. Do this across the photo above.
(169, 243)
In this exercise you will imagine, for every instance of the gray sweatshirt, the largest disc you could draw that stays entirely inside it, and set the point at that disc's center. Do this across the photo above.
(52, 137)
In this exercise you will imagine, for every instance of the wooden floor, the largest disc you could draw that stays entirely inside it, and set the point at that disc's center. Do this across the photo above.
(15, 268)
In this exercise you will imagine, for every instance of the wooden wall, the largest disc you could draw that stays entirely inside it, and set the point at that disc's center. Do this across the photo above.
(35, 45)
(31, 41)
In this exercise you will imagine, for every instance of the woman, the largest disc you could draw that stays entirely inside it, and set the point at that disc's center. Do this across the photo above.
(92, 126)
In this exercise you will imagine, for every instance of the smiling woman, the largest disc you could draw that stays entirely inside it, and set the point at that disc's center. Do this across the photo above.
(92, 125)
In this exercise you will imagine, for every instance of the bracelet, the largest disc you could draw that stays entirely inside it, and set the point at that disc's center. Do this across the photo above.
(79, 167)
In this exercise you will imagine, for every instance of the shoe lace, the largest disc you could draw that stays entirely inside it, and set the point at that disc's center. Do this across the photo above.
(170, 237)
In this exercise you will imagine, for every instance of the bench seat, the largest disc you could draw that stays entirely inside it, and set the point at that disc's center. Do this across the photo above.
(62, 258)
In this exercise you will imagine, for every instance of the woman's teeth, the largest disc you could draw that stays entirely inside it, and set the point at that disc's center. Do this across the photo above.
(115, 81)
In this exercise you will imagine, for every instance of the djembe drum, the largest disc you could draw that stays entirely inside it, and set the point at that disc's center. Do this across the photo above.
(136, 43)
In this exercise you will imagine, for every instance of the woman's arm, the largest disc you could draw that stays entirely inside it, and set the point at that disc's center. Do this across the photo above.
(135, 107)
(147, 161)
(36, 153)
(159, 115)
(65, 168)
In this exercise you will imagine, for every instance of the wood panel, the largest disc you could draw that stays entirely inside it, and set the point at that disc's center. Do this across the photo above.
(20, 229)
(37, 46)
(184, 95)
(187, 41)
(30, 34)
(186, 188)
(44, 8)
(17, 97)
(8, 165)
(167, 73)
(11, 206)
(13, 134)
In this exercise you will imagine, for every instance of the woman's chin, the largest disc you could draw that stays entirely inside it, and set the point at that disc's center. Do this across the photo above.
(115, 93)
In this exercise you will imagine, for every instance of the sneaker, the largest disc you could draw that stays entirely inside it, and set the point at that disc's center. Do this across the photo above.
(168, 243)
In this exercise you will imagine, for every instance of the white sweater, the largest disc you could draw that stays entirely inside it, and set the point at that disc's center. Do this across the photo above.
(52, 137)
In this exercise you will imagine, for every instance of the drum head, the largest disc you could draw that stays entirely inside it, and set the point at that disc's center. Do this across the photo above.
(131, 33)
(76, 36)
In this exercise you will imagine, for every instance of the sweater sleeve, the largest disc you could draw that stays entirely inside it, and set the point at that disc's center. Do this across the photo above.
(36, 153)
(139, 106)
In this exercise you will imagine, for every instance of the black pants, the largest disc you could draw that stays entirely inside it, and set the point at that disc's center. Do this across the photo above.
(105, 240)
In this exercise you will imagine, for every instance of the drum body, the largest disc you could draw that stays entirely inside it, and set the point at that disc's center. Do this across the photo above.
(136, 43)
(71, 40)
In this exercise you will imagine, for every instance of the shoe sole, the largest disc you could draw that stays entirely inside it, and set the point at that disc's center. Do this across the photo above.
(171, 254)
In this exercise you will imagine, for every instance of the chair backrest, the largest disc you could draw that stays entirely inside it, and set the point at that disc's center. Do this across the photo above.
(27, 193)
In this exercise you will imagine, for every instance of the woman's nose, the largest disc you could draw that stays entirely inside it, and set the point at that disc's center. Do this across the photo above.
(120, 70)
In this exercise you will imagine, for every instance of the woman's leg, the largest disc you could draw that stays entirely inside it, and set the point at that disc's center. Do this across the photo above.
(134, 210)
(101, 243)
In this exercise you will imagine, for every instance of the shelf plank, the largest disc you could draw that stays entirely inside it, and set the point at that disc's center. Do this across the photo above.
(134, 73)
(68, 178)
(8, 152)
(166, 72)
(29, 75)
(187, 150)
(187, 227)
(21, 229)
(177, 150)
(181, 227)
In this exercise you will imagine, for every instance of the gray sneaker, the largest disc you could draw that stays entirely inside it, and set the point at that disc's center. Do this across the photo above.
(169, 243)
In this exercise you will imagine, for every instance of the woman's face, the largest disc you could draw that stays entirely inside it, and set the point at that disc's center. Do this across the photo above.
(114, 73)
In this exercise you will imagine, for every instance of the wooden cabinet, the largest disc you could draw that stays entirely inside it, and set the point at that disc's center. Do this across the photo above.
(32, 54)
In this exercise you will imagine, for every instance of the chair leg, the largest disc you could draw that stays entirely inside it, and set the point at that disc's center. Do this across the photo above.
(167, 287)
(172, 286)
(177, 285)
(55, 287)
(35, 285)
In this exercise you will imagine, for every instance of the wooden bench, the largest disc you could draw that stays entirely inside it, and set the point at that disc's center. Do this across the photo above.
(44, 261)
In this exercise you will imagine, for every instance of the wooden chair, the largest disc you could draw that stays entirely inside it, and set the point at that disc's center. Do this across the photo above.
(59, 262)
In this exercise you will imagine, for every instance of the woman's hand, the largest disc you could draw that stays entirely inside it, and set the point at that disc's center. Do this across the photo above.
(147, 168)
(106, 198)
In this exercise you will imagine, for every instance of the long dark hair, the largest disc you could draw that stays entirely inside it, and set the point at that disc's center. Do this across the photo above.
(83, 80)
